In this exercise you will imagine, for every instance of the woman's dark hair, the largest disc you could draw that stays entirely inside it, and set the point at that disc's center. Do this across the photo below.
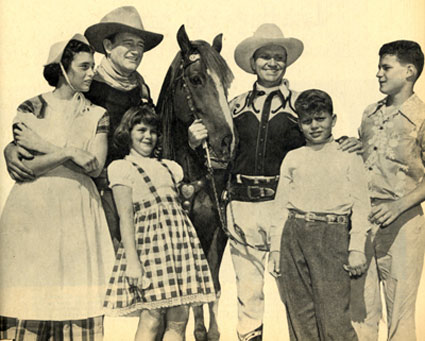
(52, 72)
(144, 113)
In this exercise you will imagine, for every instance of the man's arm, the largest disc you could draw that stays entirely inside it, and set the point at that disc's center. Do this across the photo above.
(14, 155)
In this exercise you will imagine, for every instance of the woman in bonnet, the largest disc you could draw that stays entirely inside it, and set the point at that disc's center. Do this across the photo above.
(55, 251)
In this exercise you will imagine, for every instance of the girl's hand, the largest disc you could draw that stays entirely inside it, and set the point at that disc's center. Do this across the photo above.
(134, 273)
(85, 160)
(28, 138)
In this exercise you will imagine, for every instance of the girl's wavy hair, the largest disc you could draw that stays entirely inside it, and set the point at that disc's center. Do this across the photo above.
(143, 113)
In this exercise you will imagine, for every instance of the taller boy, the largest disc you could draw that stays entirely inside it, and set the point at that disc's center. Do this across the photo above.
(393, 136)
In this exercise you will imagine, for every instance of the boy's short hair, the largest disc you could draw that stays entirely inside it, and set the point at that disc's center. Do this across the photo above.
(406, 51)
(313, 101)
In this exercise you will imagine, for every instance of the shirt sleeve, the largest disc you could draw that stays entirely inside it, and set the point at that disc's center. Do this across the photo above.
(358, 189)
(119, 173)
(279, 212)
(103, 124)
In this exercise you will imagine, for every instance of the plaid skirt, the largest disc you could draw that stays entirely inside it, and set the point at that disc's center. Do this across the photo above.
(171, 255)
(90, 329)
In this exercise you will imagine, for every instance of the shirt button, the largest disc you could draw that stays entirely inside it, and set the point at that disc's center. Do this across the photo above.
(381, 128)
(259, 154)
(370, 168)
(264, 126)
(261, 140)
(375, 148)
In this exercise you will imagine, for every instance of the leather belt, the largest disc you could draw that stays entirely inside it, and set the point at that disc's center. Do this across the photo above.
(327, 218)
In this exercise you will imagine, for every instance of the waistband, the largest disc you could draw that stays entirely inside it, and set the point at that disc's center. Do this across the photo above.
(168, 199)
(252, 188)
(323, 217)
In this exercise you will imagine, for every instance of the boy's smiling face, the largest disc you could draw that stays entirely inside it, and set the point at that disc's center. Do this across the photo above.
(392, 75)
(317, 127)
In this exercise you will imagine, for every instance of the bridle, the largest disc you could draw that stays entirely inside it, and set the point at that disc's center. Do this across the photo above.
(193, 58)
(194, 112)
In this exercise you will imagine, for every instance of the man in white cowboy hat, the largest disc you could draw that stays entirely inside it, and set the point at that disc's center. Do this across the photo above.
(117, 86)
(266, 125)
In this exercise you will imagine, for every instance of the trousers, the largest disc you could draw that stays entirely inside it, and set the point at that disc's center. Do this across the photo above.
(249, 263)
(396, 262)
(314, 286)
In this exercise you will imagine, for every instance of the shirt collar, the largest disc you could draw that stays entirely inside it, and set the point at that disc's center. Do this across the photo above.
(409, 108)
(260, 90)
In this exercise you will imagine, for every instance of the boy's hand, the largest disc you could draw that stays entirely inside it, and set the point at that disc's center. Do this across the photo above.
(356, 263)
(274, 264)
(350, 144)
(385, 213)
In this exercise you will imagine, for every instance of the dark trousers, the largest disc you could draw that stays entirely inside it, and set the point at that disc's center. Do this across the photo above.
(314, 286)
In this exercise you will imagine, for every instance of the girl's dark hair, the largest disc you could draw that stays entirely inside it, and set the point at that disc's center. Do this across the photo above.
(144, 113)
(52, 72)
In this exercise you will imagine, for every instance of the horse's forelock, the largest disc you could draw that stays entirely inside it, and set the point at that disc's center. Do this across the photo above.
(214, 62)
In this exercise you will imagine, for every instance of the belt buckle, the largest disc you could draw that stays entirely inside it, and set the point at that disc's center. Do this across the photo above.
(341, 219)
(253, 196)
(309, 216)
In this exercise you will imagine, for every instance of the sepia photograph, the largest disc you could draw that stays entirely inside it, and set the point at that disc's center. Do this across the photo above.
(212, 170)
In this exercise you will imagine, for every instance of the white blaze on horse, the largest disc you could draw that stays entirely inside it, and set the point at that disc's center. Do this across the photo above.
(196, 87)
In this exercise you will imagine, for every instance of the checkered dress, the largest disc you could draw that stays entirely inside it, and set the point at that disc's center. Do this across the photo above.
(170, 253)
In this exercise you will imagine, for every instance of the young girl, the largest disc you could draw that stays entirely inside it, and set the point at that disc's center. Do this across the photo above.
(160, 267)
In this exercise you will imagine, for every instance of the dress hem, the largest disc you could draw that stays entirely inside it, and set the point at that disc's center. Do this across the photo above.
(192, 300)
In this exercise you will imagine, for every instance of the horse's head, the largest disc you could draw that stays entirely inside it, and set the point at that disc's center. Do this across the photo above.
(198, 80)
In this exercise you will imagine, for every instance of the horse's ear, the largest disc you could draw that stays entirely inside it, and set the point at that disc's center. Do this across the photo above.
(217, 43)
(183, 40)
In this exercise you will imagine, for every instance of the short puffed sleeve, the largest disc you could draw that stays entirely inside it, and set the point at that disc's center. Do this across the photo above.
(103, 124)
(120, 172)
(176, 169)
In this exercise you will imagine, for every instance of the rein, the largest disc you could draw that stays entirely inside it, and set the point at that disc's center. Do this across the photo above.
(194, 113)
(189, 99)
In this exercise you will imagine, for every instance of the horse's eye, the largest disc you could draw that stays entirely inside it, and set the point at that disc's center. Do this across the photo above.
(196, 80)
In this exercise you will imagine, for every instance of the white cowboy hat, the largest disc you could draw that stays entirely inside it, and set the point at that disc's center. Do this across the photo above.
(56, 50)
(266, 34)
(121, 19)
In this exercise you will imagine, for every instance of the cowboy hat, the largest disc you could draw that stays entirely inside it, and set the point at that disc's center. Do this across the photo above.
(266, 34)
(57, 49)
(122, 19)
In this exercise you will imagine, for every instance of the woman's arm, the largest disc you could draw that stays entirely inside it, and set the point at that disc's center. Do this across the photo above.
(41, 164)
(88, 162)
(123, 201)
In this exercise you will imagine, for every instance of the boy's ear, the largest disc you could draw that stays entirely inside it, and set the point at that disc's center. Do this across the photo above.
(333, 120)
(411, 72)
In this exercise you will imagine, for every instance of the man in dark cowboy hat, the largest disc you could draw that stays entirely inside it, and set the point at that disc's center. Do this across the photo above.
(266, 125)
(117, 86)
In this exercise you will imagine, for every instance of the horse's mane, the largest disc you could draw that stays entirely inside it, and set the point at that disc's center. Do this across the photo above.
(211, 60)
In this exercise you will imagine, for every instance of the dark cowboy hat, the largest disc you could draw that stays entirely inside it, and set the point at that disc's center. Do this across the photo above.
(122, 19)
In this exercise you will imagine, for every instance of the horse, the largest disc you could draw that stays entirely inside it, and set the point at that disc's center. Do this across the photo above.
(195, 87)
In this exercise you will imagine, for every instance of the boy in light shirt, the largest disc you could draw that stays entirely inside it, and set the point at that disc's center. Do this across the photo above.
(322, 205)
